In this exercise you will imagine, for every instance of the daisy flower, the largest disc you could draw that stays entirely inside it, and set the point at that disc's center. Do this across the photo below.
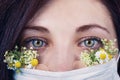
(100, 56)
(26, 58)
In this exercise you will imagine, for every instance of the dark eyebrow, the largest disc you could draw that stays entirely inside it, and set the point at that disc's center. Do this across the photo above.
(90, 26)
(37, 28)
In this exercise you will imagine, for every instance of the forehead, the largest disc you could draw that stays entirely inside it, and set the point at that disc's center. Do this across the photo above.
(73, 13)
(74, 10)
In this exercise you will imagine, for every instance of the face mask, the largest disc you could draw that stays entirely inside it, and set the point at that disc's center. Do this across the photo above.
(106, 71)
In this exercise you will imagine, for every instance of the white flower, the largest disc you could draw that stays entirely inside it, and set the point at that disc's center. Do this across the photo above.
(29, 66)
(102, 56)
(20, 59)
(85, 57)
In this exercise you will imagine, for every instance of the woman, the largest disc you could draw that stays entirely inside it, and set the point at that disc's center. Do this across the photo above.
(59, 31)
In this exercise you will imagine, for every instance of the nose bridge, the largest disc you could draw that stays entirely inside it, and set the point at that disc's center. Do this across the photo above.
(63, 50)
(62, 53)
(63, 57)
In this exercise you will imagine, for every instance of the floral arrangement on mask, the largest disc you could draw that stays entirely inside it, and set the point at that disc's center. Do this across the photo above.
(100, 56)
(24, 58)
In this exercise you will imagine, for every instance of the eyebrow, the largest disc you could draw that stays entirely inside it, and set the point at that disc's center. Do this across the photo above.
(37, 28)
(90, 26)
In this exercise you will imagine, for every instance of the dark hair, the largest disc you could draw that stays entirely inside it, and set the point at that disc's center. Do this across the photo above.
(15, 14)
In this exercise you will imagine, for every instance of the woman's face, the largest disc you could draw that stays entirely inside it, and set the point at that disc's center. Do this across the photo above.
(64, 28)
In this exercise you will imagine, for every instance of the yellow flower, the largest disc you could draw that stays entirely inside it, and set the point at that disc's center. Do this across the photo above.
(17, 64)
(102, 56)
(110, 56)
(34, 62)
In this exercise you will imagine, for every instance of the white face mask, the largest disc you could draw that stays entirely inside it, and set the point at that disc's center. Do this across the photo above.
(106, 71)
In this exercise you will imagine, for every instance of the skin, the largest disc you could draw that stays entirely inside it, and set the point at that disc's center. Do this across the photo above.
(63, 25)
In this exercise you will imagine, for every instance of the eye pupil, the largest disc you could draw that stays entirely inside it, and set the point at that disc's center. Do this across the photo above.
(38, 43)
(89, 43)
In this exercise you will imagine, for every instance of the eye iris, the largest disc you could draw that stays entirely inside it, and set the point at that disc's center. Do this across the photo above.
(89, 43)
(37, 43)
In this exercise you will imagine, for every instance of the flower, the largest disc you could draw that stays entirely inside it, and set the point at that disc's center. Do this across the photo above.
(110, 56)
(34, 62)
(24, 58)
(18, 64)
(86, 58)
(101, 55)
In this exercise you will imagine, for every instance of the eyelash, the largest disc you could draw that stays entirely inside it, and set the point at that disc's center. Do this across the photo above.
(84, 42)
(35, 43)
(96, 42)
